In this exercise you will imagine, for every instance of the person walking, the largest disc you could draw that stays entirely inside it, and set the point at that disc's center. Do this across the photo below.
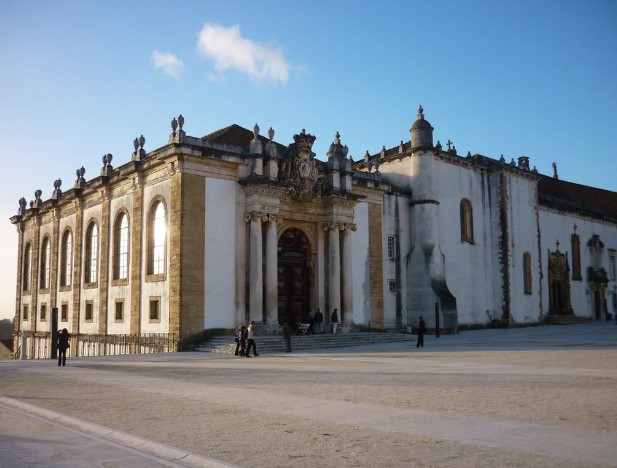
(317, 321)
(421, 332)
(63, 345)
(288, 330)
(334, 320)
(250, 333)
(238, 338)
(243, 336)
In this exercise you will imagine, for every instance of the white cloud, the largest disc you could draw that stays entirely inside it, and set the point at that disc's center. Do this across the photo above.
(168, 63)
(230, 50)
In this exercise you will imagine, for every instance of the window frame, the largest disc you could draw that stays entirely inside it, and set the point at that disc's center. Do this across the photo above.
(121, 248)
(156, 267)
(66, 259)
(91, 253)
(26, 262)
(466, 220)
(527, 278)
(44, 263)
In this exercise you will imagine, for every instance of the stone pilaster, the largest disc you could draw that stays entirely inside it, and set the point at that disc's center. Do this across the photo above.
(187, 315)
(104, 264)
(346, 275)
(321, 271)
(53, 272)
(19, 287)
(255, 266)
(271, 270)
(35, 284)
(138, 232)
(77, 267)
(375, 262)
(334, 268)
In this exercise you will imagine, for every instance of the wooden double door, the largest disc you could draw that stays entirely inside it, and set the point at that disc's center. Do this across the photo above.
(293, 277)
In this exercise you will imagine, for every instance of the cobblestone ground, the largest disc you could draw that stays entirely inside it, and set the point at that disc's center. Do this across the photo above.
(542, 396)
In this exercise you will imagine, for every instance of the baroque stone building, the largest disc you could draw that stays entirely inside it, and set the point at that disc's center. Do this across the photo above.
(209, 232)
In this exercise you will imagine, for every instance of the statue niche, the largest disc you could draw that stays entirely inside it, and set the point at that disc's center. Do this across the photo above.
(299, 169)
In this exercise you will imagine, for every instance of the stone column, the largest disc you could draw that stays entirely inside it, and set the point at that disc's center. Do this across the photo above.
(271, 270)
(321, 271)
(346, 275)
(255, 267)
(334, 270)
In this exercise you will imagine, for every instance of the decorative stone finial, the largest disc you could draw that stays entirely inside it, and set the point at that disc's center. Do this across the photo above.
(255, 146)
(180, 121)
(136, 144)
(142, 141)
(502, 160)
(469, 154)
(23, 206)
(81, 181)
(420, 112)
(174, 125)
(37, 198)
(555, 175)
(271, 133)
(337, 138)
(400, 147)
(57, 191)
(107, 167)
(438, 147)
(256, 131)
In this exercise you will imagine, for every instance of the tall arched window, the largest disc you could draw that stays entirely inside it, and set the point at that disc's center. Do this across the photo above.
(25, 282)
(575, 241)
(466, 221)
(92, 252)
(527, 273)
(66, 259)
(121, 247)
(157, 234)
(45, 259)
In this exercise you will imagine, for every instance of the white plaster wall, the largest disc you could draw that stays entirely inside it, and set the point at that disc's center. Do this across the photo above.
(122, 203)
(360, 265)
(90, 294)
(558, 226)
(66, 296)
(220, 253)
(523, 228)
(155, 288)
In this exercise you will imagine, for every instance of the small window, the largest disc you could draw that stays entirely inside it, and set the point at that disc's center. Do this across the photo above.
(64, 312)
(391, 247)
(43, 312)
(119, 311)
(155, 309)
(527, 272)
(89, 311)
(392, 286)
(611, 264)
(466, 222)
(25, 312)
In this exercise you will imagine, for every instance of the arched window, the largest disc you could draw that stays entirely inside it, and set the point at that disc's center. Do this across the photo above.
(92, 252)
(575, 241)
(527, 273)
(157, 234)
(66, 259)
(45, 259)
(466, 221)
(121, 247)
(25, 282)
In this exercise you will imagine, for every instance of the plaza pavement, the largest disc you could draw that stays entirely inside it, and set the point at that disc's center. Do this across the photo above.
(537, 396)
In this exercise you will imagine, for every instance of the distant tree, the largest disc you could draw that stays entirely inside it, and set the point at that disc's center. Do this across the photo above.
(6, 329)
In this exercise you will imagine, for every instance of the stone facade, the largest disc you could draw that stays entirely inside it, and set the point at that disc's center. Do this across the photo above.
(254, 230)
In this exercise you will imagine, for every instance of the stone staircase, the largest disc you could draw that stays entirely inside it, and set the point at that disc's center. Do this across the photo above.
(564, 319)
(269, 344)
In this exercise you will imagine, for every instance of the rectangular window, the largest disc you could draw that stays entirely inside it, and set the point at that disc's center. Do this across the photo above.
(43, 312)
(119, 311)
(392, 286)
(64, 312)
(25, 312)
(576, 257)
(155, 309)
(391, 247)
(89, 310)
(611, 264)
(527, 273)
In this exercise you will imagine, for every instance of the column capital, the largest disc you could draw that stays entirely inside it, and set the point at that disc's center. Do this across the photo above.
(255, 216)
(275, 218)
(349, 227)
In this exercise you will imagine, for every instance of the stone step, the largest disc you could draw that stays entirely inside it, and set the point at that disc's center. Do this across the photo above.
(554, 319)
(276, 344)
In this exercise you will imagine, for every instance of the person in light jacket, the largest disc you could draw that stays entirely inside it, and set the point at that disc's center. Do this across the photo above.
(334, 320)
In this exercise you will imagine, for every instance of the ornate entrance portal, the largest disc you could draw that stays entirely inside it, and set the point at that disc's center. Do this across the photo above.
(293, 276)
(559, 283)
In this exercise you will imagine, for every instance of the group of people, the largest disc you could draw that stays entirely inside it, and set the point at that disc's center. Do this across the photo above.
(315, 323)
(245, 340)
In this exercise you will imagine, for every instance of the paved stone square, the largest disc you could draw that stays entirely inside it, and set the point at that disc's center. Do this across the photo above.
(540, 396)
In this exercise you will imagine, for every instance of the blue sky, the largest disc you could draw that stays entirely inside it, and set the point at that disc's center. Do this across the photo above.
(82, 79)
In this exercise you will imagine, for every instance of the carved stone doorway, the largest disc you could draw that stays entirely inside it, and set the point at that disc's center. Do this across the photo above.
(597, 305)
(559, 283)
(293, 276)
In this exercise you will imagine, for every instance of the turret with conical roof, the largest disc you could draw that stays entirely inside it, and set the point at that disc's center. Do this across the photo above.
(421, 133)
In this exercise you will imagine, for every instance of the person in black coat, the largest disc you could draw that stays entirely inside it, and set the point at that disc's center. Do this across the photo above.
(317, 321)
(63, 345)
(421, 332)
